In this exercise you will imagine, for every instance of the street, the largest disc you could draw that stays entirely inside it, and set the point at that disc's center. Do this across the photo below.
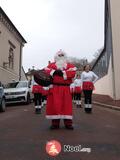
(23, 134)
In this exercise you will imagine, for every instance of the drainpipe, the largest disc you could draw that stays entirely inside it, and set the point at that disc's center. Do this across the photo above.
(112, 56)
(20, 61)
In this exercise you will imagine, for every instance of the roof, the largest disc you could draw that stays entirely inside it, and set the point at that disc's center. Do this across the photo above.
(7, 18)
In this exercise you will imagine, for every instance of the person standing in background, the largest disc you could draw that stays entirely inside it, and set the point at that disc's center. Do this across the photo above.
(78, 90)
(37, 91)
(88, 79)
(44, 95)
(72, 87)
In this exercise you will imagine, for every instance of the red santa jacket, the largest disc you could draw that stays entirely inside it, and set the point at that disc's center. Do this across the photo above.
(37, 88)
(68, 73)
(45, 91)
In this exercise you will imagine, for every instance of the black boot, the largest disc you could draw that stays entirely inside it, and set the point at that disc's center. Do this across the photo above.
(55, 124)
(38, 111)
(79, 106)
(54, 127)
(69, 127)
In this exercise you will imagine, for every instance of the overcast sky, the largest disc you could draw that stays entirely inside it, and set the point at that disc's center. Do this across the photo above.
(76, 26)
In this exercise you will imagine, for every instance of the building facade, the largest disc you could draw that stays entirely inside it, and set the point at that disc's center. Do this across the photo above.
(107, 66)
(11, 45)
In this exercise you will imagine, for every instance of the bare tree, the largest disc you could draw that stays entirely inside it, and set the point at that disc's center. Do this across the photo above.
(96, 55)
(79, 63)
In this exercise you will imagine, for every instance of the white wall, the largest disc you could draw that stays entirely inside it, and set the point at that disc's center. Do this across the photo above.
(104, 86)
(115, 18)
(7, 75)
(23, 76)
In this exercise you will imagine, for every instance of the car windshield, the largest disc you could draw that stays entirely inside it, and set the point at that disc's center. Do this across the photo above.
(17, 85)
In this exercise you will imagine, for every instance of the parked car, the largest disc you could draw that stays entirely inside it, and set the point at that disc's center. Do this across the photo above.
(18, 92)
(2, 100)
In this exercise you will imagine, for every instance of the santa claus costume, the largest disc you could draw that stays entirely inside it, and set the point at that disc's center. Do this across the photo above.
(59, 102)
(88, 79)
(37, 91)
(78, 90)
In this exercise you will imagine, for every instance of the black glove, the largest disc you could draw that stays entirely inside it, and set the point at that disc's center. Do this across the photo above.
(58, 73)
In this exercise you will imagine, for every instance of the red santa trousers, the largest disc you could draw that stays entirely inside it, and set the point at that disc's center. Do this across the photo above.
(59, 103)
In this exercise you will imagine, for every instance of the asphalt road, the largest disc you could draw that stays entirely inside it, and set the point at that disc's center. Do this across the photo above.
(23, 135)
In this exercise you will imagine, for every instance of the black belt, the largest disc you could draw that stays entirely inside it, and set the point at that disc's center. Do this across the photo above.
(61, 84)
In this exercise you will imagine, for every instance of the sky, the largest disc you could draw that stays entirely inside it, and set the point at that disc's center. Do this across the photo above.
(75, 26)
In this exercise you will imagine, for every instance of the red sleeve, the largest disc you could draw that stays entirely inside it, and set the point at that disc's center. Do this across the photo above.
(50, 69)
(70, 72)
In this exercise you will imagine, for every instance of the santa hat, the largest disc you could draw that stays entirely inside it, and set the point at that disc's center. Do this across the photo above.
(59, 54)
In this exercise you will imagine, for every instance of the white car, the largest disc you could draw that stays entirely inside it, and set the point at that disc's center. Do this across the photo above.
(18, 92)
(2, 100)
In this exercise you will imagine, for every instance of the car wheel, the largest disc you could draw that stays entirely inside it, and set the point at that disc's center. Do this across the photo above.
(2, 106)
(28, 99)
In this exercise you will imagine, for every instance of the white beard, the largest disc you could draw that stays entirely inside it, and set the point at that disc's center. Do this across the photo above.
(61, 63)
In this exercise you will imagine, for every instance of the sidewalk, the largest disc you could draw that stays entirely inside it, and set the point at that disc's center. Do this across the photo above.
(106, 101)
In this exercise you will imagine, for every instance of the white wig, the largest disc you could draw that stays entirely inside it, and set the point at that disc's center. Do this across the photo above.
(60, 59)
(57, 57)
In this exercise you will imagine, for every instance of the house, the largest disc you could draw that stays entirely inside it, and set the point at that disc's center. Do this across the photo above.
(11, 45)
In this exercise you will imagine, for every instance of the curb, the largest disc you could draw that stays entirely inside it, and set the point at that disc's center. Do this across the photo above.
(107, 106)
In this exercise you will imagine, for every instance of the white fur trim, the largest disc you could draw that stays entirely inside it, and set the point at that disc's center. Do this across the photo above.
(51, 86)
(61, 64)
(47, 68)
(51, 73)
(45, 102)
(76, 102)
(88, 106)
(80, 102)
(59, 117)
(39, 107)
(64, 75)
(72, 69)
(46, 88)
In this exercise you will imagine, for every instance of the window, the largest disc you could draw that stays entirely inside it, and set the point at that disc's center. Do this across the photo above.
(11, 55)
(11, 58)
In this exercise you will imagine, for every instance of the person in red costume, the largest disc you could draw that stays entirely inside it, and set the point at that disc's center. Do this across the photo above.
(59, 102)
(37, 91)
(88, 78)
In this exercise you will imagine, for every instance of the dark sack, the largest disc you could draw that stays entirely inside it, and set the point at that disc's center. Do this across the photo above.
(42, 78)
